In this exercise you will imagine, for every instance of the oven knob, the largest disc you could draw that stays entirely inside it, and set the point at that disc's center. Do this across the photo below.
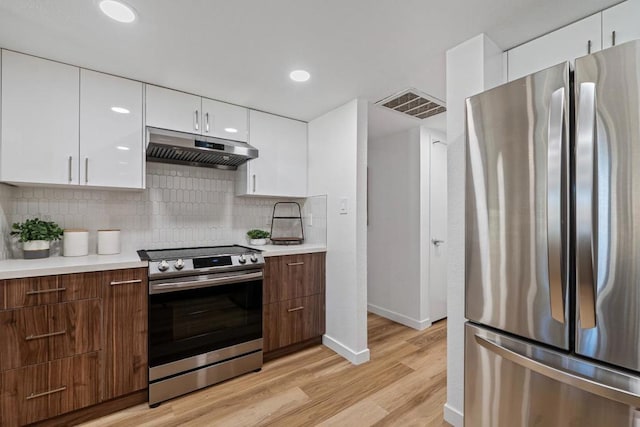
(242, 259)
(179, 264)
(163, 266)
(254, 258)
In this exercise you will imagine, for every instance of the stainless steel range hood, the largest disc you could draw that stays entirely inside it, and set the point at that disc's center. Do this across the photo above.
(166, 146)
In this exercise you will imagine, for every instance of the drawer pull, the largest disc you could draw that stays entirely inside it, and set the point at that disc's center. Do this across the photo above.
(125, 282)
(291, 264)
(50, 334)
(296, 309)
(46, 393)
(46, 291)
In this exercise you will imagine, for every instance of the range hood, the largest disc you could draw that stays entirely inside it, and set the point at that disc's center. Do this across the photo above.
(166, 146)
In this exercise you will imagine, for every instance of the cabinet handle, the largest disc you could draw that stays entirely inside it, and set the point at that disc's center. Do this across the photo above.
(589, 47)
(291, 264)
(46, 291)
(296, 309)
(206, 122)
(613, 38)
(70, 168)
(46, 393)
(86, 170)
(50, 334)
(125, 282)
(197, 126)
(254, 182)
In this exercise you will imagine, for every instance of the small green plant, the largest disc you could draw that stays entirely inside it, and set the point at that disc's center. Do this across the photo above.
(258, 234)
(36, 229)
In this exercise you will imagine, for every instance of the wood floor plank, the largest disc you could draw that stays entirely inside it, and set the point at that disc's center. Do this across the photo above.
(363, 413)
(404, 384)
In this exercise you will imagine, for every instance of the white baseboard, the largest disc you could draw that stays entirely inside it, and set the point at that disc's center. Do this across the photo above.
(453, 416)
(400, 318)
(354, 357)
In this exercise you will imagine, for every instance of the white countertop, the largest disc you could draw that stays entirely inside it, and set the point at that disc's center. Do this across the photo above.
(17, 268)
(278, 250)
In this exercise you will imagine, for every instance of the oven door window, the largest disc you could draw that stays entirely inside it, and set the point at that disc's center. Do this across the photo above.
(191, 322)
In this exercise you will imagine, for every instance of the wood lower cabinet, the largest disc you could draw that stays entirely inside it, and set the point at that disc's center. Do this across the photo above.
(70, 341)
(42, 391)
(294, 300)
(125, 298)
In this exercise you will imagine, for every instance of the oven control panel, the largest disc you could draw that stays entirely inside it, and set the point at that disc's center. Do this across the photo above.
(170, 267)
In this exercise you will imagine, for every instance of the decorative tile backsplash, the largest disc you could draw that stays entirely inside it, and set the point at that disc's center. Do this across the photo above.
(182, 206)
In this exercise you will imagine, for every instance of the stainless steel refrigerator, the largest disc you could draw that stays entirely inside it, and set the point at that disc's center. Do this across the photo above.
(553, 247)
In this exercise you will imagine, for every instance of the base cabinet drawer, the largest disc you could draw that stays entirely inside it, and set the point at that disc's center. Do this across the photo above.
(34, 291)
(37, 392)
(39, 334)
(294, 276)
(293, 321)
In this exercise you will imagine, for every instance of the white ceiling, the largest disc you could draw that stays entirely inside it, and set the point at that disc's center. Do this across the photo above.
(241, 51)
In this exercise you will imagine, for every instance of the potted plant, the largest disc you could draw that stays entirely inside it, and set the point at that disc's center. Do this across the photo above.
(258, 237)
(36, 236)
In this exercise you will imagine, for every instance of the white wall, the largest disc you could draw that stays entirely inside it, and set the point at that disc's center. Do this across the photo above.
(337, 167)
(472, 67)
(394, 248)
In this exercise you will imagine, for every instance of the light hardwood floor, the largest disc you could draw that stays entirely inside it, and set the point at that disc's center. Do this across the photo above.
(404, 384)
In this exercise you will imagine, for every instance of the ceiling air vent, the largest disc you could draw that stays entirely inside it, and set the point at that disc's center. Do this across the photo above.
(414, 103)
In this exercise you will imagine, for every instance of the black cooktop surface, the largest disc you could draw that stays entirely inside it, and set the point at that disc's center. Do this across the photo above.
(187, 253)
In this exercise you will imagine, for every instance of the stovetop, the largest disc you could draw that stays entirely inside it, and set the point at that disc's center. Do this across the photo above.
(199, 252)
(179, 262)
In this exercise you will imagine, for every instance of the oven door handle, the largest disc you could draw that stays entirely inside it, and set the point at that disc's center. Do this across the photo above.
(159, 288)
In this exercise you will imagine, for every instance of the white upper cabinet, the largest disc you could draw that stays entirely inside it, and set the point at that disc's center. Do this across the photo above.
(223, 120)
(111, 131)
(281, 168)
(565, 44)
(170, 109)
(40, 120)
(621, 23)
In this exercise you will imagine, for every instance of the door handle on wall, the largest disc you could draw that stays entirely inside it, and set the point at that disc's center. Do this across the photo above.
(437, 242)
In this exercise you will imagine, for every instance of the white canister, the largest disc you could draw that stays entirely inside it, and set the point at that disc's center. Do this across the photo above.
(75, 242)
(108, 242)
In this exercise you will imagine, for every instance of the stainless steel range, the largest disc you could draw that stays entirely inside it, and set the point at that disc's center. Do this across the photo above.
(205, 317)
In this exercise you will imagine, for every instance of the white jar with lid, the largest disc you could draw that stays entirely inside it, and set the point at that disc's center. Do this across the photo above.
(75, 242)
(108, 242)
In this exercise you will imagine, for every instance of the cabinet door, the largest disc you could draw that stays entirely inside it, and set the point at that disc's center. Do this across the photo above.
(281, 168)
(40, 109)
(125, 328)
(623, 20)
(223, 120)
(24, 334)
(170, 109)
(111, 131)
(74, 383)
(76, 327)
(565, 44)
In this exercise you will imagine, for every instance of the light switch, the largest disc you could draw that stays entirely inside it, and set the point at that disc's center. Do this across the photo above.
(310, 220)
(344, 206)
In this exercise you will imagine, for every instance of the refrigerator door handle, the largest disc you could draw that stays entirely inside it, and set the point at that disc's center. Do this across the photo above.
(555, 143)
(627, 397)
(586, 203)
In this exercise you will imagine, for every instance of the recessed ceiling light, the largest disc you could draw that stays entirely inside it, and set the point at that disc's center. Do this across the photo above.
(117, 11)
(120, 110)
(123, 148)
(231, 130)
(299, 75)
